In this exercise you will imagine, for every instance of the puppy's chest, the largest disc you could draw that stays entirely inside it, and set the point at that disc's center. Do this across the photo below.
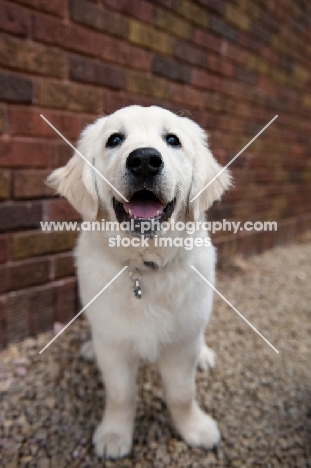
(170, 309)
(162, 301)
(156, 299)
(159, 316)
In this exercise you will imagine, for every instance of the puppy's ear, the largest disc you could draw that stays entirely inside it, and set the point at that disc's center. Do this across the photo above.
(206, 168)
(76, 180)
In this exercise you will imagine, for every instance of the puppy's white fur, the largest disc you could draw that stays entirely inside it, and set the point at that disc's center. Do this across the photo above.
(167, 325)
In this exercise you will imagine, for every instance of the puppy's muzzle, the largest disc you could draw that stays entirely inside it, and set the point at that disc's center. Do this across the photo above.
(147, 207)
(144, 162)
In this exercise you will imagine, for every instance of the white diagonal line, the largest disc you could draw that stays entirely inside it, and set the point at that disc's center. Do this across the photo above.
(83, 157)
(235, 309)
(85, 307)
(233, 159)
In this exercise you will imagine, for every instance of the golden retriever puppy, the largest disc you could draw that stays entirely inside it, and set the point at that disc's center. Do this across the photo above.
(157, 309)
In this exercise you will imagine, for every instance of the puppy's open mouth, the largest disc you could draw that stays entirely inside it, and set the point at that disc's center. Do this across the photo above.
(143, 207)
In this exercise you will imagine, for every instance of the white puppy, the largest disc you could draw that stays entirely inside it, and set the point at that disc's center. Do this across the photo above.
(158, 161)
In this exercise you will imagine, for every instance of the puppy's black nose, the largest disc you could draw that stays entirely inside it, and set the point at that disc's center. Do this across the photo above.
(144, 162)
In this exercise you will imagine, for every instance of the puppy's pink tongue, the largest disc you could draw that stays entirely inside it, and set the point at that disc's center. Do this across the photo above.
(143, 209)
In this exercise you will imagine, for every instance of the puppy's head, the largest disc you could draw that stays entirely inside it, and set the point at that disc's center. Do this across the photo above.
(157, 160)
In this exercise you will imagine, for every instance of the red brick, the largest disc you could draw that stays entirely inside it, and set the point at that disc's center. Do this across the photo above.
(127, 53)
(65, 302)
(173, 23)
(77, 38)
(187, 95)
(64, 265)
(230, 124)
(4, 248)
(261, 32)
(250, 42)
(169, 4)
(235, 53)
(95, 72)
(206, 120)
(114, 100)
(247, 76)
(171, 69)
(27, 122)
(24, 153)
(68, 36)
(239, 20)
(5, 185)
(144, 84)
(219, 65)
(19, 275)
(216, 5)
(33, 243)
(31, 184)
(150, 38)
(55, 7)
(41, 302)
(31, 57)
(61, 153)
(3, 119)
(59, 210)
(20, 215)
(14, 20)
(5, 274)
(17, 316)
(89, 119)
(90, 15)
(16, 89)
(207, 40)
(233, 88)
(222, 28)
(218, 103)
(269, 19)
(137, 8)
(188, 53)
(60, 95)
(205, 80)
(192, 12)
(220, 212)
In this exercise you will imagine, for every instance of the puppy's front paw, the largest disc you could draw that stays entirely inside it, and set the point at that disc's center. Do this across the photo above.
(111, 444)
(87, 351)
(201, 431)
(207, 358)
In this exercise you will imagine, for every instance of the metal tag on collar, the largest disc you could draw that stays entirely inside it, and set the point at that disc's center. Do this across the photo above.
(137, 289)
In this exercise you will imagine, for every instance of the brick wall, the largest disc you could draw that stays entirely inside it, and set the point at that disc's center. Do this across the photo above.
(233, 64)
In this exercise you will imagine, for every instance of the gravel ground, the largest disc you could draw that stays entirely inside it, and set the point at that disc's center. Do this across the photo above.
(52, 402)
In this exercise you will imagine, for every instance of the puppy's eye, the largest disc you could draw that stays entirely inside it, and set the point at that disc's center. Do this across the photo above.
(115, 140)
(172, 140)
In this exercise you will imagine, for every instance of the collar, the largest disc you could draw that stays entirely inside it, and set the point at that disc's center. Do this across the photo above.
(136, 272)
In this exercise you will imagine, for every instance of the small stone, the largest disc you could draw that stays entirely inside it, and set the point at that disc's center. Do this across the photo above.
(20, 371)
(43, 463)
